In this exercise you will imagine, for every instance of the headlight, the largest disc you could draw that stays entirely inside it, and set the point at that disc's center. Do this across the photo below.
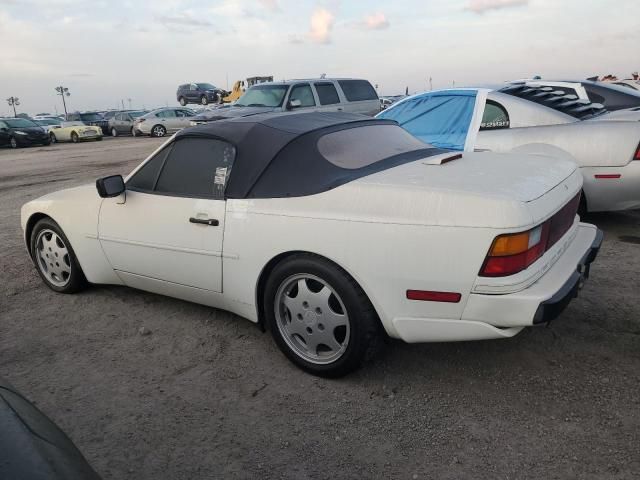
(18, 132)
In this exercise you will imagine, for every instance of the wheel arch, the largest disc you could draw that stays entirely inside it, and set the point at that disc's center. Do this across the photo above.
(34, 218)
(273, 262)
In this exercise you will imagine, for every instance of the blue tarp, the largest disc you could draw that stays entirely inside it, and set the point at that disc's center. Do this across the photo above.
(439, 118)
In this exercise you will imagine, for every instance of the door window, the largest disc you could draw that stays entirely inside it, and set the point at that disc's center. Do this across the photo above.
(327, 93)
(144, 180)
(166, 114)
(197, 167)
(304, 94)
(495, 116)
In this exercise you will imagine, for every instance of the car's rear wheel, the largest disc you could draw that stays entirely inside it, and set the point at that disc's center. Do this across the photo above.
(182, 101)
(203, 100)
(53, 138)
(55, 260)
(13, 143)
(74, 137)
(319, 317)
(158, 131)
(114, 132)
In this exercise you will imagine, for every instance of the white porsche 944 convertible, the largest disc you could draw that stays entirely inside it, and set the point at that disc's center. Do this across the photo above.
(331, 230)
(540, 120)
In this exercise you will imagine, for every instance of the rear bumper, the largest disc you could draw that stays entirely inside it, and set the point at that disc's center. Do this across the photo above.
(550, 309)
(488, 316)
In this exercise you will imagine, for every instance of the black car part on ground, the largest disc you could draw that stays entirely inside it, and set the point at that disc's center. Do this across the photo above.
(32, 446)
(269, 148)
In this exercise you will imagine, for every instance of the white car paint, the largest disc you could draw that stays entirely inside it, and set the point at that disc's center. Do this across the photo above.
(421, 225)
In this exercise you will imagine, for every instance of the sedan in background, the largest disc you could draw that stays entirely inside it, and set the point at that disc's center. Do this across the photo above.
(332, 230)
(158, 123)
(75, 132)
(121, 123)
(21, 132)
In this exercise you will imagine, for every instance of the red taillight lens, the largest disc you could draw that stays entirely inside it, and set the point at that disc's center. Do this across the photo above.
(637, 155)
(514, 252)
(431, 296)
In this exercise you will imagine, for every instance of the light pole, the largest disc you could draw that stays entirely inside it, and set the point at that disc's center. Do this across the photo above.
(13, 101)
(129, 100)
(63, 92)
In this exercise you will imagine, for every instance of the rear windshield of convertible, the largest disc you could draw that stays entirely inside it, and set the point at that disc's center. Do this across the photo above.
(359, 147)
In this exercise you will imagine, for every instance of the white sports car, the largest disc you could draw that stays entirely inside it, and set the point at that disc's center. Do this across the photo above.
(538, 120)
(75, 132)
(330, 229)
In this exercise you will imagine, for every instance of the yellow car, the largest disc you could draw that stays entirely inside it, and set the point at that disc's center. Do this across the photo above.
(74, 132)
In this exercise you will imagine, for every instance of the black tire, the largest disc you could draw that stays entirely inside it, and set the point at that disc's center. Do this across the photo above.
(182, 101)
(114, 132)
(365, 331)
(76, 280)
(74, 137)
(158, 131)
(53, 138)
(204, 100)
(13, 143)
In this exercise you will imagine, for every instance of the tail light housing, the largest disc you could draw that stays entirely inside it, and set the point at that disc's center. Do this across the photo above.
(637, 154)
(513, 252)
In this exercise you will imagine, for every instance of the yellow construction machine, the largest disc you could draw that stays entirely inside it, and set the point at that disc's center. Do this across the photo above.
(239, 87)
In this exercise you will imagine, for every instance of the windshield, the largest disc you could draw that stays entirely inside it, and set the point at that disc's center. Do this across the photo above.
(20, 123)
(90, 117)
(263, 96)
(205, 86)
(48, 122)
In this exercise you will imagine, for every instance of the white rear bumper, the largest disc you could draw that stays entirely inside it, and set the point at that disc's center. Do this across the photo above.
(489, 316)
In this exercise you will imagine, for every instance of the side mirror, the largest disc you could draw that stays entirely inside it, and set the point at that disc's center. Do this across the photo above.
(294, 104)
(111, 186)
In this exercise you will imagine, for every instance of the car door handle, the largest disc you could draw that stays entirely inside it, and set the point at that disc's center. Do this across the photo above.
(212, 222)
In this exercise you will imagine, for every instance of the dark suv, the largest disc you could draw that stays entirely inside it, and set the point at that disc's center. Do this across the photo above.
(202, 93)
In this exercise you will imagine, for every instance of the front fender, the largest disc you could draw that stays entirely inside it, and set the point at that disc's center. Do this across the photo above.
(76, 211)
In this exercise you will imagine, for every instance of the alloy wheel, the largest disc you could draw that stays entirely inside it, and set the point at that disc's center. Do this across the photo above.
(53, 257)
(312, 318)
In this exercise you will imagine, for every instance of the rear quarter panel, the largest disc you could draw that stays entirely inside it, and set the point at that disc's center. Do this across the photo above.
(590, 143)
(385, 258)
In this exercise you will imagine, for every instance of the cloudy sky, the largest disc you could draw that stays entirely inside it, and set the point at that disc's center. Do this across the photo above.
(106, 51)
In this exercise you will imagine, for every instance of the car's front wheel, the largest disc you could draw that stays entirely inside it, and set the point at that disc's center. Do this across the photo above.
(55, 260)
(319, 317)
(204, 100)
(13, 143)
(158, 131)
(53, 138)
(74, 137)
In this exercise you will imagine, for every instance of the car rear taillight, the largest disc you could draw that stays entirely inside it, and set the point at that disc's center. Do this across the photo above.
(511, 253)
(637, 155)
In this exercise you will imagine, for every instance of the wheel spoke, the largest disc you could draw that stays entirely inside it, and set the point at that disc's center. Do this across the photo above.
(334, 319)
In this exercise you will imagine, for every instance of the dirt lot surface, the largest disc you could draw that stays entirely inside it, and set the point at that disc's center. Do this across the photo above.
(207, 395)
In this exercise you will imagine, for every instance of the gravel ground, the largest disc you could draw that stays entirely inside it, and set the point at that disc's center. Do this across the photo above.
(204, 394)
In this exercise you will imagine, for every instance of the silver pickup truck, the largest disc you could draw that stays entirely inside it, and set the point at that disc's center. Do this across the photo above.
(318, 95)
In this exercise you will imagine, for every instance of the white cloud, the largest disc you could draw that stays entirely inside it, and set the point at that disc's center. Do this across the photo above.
(322, 21)
(481, 6)
(271, 5)
(376, 21)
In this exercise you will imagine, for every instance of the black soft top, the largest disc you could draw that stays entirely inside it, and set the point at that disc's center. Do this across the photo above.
(264, 168)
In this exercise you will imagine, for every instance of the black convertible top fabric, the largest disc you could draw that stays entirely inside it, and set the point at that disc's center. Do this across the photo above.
(277, 154)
